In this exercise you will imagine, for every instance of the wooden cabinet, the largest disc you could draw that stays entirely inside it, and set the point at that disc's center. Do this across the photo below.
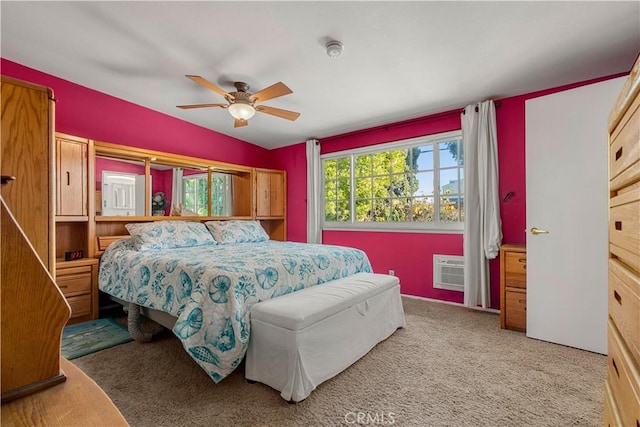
(78, 281)
(622, 389)
(33, 311)
(513, 287)
(270, 193)
(71, 182)
(270, 202)
(77, 278)
(28, 155)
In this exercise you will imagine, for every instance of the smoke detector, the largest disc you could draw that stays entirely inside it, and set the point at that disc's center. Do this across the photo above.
(334, 48)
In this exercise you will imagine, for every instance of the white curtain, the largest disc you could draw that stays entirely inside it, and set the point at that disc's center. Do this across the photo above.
(482, 224)
(314, 233)
(176, 189)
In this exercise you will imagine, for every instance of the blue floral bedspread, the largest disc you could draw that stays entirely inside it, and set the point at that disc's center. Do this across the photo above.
(210, 289)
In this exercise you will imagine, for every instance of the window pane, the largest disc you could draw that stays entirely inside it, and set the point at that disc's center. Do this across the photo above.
(381, 211)
(400, 160)
(344, 189)
(423, 157)
(330, 190)
(448, 153)
(344, 167)
(460, 152)
(400, 210)
(364, 188)
(363, 165)
(422, 209)
(381, 186)
(330, 210)
(343, 211)
(449, 209)
(425, 184)
(330, 167)
(363, 210)
(381, 163)
(449, 181)
(461, 208)
(202, 202)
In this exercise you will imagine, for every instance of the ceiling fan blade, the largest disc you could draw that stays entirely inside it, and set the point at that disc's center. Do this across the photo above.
(240, 122)
(285, 114)
(201, 106)
(273, 91)
(210, 85)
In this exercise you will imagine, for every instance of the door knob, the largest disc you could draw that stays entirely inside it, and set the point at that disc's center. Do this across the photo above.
(535, 231)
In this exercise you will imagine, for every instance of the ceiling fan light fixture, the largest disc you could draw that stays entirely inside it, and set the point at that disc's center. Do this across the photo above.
(241, 111)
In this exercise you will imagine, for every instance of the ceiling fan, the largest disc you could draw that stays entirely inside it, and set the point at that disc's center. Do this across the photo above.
(241, 104)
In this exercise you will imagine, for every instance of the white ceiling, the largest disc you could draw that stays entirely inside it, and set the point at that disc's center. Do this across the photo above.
(402, 59)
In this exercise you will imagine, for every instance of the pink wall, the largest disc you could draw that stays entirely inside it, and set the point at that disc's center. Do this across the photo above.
(91, 114)
(411, 254)
(87, 113)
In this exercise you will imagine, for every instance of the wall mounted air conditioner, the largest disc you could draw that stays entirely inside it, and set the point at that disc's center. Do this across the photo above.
(448, 272)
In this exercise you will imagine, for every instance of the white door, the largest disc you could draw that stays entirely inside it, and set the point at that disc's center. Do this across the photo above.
(567, 196)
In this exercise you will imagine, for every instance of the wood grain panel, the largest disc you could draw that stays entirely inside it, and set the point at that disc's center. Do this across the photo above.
(77, 402)
(27, 154)
(277, 195)
(516, 310)
(33, 313)
(72, 177)
(623, 378)
(624, 304)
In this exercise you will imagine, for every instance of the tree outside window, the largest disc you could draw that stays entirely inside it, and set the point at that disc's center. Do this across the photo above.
(420, 182)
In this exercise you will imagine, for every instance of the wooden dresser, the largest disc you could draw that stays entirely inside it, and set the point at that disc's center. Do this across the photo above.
(622, 389)
(513, 287)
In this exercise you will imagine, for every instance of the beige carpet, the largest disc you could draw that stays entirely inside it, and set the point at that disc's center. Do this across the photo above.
(450, 366)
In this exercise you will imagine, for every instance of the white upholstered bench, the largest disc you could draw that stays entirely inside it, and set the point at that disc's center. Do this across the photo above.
(303, 338)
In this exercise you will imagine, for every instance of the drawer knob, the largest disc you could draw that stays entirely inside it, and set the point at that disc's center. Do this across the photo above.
(619, 153)
(618, 225)
(615, 367)
(617, 296)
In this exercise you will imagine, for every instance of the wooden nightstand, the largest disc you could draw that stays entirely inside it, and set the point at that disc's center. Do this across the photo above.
(78, 282)
(513, 287)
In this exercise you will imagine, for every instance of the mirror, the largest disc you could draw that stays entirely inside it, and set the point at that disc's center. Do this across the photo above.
(119, 189)
(178, 186)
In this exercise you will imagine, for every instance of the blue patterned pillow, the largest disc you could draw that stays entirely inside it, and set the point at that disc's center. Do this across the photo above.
(150, 236)
(237, 231)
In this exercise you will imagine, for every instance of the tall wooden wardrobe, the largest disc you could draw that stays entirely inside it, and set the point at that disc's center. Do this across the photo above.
(622, 389)
(33, 310)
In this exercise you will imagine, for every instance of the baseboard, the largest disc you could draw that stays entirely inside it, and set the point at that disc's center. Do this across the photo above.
(488, 310)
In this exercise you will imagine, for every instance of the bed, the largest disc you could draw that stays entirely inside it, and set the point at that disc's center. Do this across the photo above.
(210, 288)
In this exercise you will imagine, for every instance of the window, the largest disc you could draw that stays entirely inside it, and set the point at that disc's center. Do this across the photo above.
(195, 195)
(411, 184)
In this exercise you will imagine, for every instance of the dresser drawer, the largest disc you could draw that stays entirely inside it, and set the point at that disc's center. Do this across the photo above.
(516, 310)
(74, 284)
(80, 305)
(623, 379)
(515, 270)
(624, 305)
(611, 413)
(69, 271)
(624, 227)
(625, 147)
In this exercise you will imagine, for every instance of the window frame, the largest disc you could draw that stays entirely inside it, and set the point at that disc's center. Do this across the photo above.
(420, 227)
